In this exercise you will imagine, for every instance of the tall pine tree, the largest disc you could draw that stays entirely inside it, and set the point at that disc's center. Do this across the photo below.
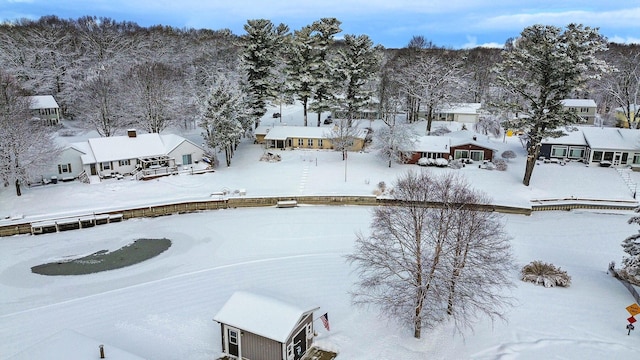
(358, 63)
(541, 68)
(263, 49)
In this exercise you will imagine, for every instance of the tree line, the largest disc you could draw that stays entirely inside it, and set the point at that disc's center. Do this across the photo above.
(109, 76)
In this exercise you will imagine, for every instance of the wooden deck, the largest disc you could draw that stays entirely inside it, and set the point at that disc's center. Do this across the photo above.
(313, 354)
(318, 354)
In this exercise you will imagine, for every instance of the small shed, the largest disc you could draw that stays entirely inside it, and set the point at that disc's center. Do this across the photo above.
(257, 327)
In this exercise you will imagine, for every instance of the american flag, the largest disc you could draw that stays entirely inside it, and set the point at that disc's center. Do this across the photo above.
(325, 321)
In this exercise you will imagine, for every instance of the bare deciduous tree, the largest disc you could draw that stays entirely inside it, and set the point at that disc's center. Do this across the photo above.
(26, 146)
(436, 254)
(433, 80)
(154, 92)
(343, 135)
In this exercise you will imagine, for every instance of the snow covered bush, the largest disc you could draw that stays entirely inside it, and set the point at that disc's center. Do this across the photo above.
(456, 164)
(548, 275)
(500, 164)
(509, 154)
(631, 245)
(440, 131)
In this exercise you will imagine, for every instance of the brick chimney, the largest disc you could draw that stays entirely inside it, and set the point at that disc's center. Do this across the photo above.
(131, 133)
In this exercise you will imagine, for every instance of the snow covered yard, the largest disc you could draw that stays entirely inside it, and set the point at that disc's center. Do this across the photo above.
(162, 308)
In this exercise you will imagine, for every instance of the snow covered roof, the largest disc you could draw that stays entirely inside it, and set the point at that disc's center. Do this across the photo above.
(68, 344)
(579, 103)
(460, 108)
(261, 315)
(434, 144)
(305, 132)
(612, 138)
(115, 148)
(43, 102)
(442, 144)
(570, 138)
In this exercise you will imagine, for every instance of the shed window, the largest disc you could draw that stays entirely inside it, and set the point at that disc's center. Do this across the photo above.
(186, 159)
(309, 331)
(233, 337)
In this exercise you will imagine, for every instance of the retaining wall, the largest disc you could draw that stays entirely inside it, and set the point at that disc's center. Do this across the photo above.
(220, 202)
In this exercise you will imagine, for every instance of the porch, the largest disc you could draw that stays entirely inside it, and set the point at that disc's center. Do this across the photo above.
(314, 353)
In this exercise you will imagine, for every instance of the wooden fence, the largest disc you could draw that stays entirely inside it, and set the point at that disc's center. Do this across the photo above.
(220, 201)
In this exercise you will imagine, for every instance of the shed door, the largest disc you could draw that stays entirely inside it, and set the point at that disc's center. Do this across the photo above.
(300, 344)
(233, 342)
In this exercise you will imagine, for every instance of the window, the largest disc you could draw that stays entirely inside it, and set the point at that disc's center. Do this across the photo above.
(105, 166)
(309, 331)
(597, 155)
(636, 158)
(124, 162)
(186, 159)
(310, 142)
(576, 152)
(477, 155)
(233, 337)
(608, 155)
(558, 151)
(64, 168)
(625, 157)
(461, 154)
(300, 142)
(319, 142)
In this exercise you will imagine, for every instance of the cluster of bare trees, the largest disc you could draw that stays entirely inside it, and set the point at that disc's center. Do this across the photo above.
(436, 255)
(112, 75)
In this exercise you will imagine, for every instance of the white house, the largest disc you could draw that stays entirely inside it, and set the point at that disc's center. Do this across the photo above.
(459, 112)
(585, 108)
(141, 155)
(45, 108)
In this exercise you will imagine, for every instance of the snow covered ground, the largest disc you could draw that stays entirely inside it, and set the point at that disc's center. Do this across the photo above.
(163, 308)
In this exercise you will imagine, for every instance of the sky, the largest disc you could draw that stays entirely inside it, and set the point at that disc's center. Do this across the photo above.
(448, 23)
(163, 307)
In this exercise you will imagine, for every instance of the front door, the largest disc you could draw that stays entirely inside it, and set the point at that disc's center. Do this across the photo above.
(233, 342)
(616, 158)
(299, 345)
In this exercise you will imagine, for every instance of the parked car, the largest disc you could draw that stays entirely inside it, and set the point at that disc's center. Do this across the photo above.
(328, 120)
(276, 115)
